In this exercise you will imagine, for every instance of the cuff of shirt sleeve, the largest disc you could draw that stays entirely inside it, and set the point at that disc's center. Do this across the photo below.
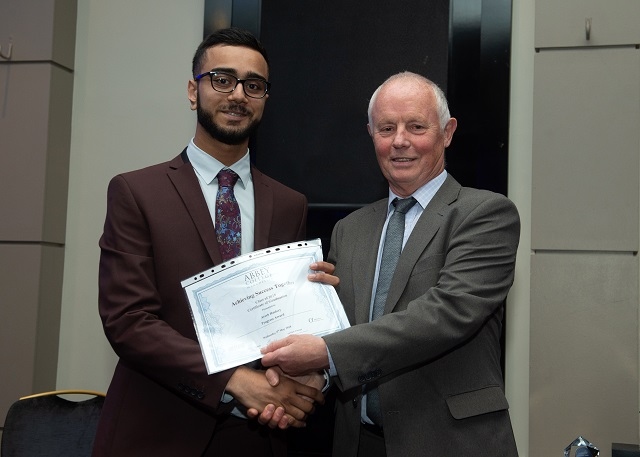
(332, 367)
(226, 398)
(327, 381)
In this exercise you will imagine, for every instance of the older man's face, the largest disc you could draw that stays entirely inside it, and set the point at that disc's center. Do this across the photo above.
(407, 137)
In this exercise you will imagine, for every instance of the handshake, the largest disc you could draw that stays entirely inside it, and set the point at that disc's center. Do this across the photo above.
(286, 393)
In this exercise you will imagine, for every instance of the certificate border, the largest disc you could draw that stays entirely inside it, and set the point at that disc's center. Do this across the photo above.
(205, 322)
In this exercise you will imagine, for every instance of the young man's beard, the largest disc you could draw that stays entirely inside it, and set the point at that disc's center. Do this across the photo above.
(226, 136)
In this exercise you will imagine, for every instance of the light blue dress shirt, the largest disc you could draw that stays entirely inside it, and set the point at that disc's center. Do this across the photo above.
(207, 168)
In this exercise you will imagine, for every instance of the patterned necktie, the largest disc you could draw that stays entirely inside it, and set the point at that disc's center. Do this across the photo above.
(227, 215)
(390, 255)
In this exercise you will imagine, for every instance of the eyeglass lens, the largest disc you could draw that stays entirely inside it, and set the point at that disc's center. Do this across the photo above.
(253, 87)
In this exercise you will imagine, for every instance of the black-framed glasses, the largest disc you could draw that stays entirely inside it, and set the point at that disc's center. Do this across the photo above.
(226, 83)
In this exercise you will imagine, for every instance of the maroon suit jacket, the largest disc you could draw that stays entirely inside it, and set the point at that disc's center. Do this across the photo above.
(158, 232)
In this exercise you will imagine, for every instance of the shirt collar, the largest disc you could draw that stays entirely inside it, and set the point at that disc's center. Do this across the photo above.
(207, 167)
(423, 194)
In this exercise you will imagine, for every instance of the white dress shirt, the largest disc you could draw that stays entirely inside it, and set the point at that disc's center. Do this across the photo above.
(207, 168)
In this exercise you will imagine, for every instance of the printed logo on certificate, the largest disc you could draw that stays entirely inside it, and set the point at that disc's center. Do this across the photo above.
(242, 305)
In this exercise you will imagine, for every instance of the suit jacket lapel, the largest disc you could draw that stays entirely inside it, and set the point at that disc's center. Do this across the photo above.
(424, 230)
(366, 253)
(263, 197)
(184, 179)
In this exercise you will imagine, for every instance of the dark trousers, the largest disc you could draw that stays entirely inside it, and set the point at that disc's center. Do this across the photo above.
(240, 437)
(371, 444)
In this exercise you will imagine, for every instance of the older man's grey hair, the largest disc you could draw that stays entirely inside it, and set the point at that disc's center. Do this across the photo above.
(441, 100)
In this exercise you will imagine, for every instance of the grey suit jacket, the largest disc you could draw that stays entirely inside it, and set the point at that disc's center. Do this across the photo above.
(158, 231)
(435, 354)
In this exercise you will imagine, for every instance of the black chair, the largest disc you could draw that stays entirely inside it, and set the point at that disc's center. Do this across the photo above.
(47, 425)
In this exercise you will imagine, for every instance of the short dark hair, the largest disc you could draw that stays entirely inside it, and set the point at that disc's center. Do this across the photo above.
(227, 37)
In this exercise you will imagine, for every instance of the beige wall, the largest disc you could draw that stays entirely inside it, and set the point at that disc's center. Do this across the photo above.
(36, 87)
(130, 110)
(520, 138)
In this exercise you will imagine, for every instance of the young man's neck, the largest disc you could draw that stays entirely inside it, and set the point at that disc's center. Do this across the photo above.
(228, 154)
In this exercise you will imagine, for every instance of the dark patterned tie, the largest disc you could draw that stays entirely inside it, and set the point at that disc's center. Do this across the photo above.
(390, 255)
(227, 215)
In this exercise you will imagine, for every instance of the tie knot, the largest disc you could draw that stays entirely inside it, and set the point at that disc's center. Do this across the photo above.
(403, 205)
(227, 178)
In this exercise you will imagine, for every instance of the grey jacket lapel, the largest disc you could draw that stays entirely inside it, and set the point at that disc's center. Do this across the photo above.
(365, 256)
(425, 229)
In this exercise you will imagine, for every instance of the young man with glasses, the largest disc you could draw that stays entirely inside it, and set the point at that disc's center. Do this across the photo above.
(161, 228)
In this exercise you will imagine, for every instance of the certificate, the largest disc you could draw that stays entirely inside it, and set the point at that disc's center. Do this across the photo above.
(242, 305)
